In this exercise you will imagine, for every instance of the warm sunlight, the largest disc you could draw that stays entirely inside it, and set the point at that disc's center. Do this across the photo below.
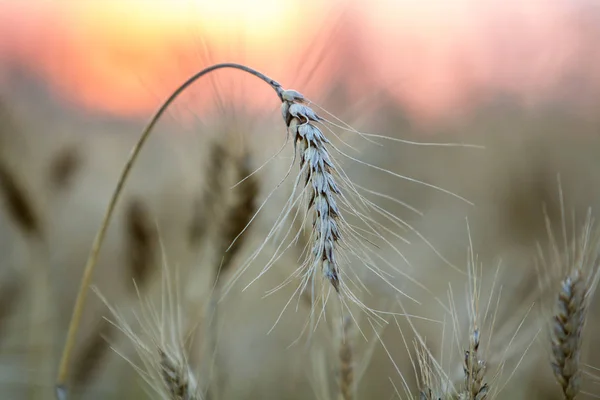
(435, 58)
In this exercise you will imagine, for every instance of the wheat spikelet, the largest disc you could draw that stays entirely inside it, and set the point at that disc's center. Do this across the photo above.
(566, 335)
(572, 276)
(175, 377)
(474, 368)
(569, 319)
(318, 171)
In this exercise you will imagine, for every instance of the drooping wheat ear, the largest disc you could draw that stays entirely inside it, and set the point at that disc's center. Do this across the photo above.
(318, 171)
(347, 385)
(567, 332)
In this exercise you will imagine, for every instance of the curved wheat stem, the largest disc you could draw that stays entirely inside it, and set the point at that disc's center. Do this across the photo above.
(99, 239)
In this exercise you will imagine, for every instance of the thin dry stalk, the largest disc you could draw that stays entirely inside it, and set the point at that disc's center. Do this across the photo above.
(347, 385)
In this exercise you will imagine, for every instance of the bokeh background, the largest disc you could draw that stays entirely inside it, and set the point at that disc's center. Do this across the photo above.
(78, 81)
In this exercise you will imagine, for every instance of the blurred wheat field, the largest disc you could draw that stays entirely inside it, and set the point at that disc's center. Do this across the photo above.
(65, 166)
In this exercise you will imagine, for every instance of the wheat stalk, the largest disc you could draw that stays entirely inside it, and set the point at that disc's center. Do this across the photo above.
(347, 385)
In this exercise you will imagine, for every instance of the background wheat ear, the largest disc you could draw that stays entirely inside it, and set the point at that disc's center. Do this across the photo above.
(566, 334)
(568, 275)
(230, 199)
(160, 342)
(578, 271)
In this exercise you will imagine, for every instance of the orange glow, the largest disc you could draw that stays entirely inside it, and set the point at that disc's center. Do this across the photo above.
(435, 57)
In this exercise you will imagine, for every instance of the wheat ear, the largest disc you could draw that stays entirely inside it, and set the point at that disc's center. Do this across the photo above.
(160, 342)
(474, 368)
(318, 171)
(578, 270)
(566, 333)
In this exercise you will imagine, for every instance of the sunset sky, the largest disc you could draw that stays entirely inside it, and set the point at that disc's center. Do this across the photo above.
(435, 57)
